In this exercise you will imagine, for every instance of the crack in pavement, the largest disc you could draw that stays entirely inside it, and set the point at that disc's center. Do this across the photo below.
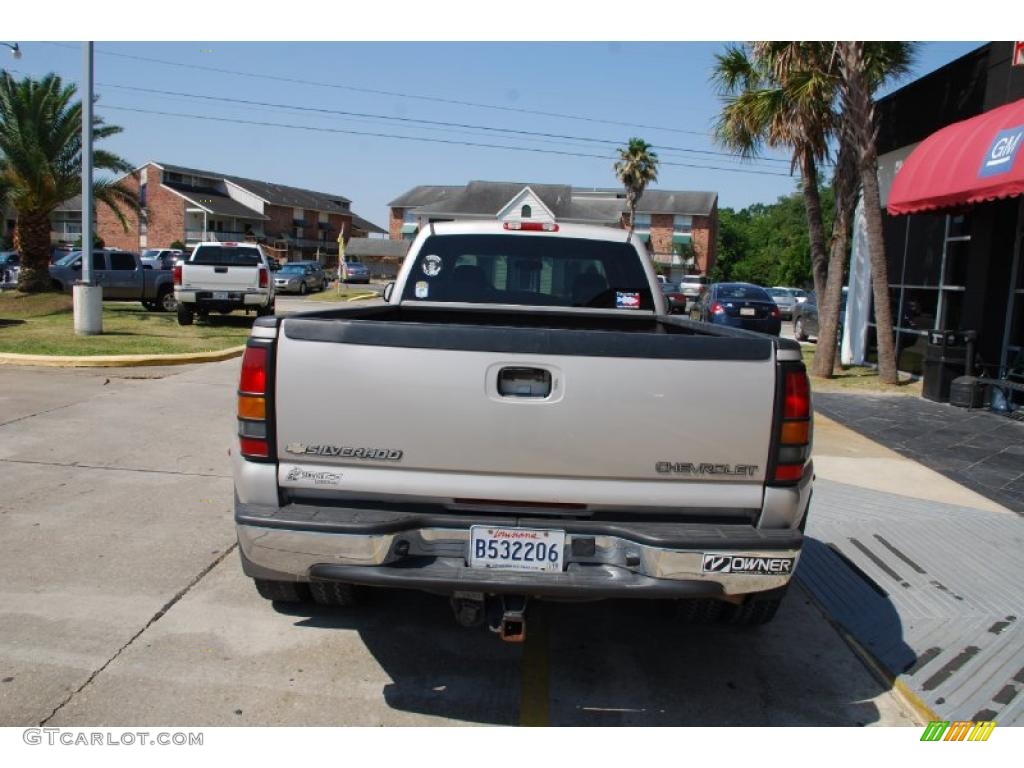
(43, 413)
(79, 465)
(156, 617)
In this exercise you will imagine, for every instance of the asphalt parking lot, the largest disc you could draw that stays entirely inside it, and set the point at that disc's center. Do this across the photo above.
(122, 603)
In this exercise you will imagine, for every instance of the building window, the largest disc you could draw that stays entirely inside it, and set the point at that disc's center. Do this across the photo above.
(409, 217)
(525, 212)
(927, 281)
(642, 222)
(682, 225)
(142, 195)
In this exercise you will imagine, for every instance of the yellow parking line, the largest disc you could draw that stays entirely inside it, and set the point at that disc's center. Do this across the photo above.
(534, 696)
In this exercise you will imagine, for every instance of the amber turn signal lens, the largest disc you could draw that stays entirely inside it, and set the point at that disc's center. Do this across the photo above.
(253, 407)
(796, 432)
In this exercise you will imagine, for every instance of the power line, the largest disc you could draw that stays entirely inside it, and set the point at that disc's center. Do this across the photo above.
(421, 121)
(379, 92)
(482, 145)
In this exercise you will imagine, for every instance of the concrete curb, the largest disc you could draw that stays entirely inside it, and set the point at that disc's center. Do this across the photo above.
(876, 668)
(118, 361)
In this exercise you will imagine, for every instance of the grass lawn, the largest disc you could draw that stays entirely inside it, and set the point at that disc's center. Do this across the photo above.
(43, 324)
(348, 292)
(857, 378)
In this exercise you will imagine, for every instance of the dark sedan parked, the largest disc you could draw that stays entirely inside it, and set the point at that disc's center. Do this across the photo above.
(740, 305)
(805, 317)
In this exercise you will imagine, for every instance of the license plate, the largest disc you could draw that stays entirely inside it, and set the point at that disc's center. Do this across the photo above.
(747, 312)
(220, 296)
(516, 549)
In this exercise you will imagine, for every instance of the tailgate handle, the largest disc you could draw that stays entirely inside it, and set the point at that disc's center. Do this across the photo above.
(524, 382)
(220, 270)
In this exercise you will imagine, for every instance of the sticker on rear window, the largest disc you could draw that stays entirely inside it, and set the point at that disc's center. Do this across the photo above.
(625, 300)
(422, 289)
(432, 265)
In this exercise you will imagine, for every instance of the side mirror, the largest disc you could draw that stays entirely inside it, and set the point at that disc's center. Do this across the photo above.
(388, 290)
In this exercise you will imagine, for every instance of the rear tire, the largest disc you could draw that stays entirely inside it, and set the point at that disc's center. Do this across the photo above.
(283, 591)
(302, 289)
(267, 311)
(333, 593)
(165, 300)
(798, 330)
(185, 316)
(753, 613)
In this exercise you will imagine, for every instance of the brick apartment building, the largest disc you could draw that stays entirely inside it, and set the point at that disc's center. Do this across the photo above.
(679, 227)
(193, 206)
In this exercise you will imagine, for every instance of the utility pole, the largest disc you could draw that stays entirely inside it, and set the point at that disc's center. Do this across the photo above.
(87, 295)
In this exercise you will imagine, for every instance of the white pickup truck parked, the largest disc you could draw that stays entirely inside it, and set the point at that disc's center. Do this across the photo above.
(518, 437)
(221, 277)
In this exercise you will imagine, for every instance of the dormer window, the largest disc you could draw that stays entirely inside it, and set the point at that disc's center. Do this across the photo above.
(525, 212)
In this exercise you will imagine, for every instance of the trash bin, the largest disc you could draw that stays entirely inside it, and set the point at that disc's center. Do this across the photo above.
(967, 392)
(946, 357)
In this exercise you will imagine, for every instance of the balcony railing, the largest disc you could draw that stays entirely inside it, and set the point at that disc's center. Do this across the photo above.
(199, 236)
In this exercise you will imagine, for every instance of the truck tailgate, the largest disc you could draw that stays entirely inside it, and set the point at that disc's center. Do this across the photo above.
(683, 427)
(219, 278)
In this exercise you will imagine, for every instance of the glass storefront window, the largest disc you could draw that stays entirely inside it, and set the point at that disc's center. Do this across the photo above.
(957, 254)
(953, 312)
(924, 250)
(960, 225)
(920, 306)
(894, 232)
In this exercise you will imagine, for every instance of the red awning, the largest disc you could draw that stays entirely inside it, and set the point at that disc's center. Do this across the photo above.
(967, 162)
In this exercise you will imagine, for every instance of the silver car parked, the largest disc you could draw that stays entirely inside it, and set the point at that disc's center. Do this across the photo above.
(299, 277)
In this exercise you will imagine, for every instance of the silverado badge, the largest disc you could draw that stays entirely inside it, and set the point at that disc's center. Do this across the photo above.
(345, 452)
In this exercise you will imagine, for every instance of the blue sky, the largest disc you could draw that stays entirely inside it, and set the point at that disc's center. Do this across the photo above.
(660, 85)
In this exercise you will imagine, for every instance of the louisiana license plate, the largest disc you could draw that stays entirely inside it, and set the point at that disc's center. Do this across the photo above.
(747, 312)
(516, 549)
(220, 296)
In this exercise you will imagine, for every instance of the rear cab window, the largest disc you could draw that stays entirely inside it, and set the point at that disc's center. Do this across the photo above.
(224, 256)
(529, 270)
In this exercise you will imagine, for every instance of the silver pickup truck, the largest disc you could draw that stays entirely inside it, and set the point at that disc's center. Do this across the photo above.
(519, 437)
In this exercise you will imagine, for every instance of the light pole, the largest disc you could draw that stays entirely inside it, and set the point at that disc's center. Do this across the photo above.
(15, 50)
(87, 296)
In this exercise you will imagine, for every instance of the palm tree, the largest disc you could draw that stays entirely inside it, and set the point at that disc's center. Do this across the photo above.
(845, 187)
(636, 167)
(41, 165)
(864, 67)
(775, 97)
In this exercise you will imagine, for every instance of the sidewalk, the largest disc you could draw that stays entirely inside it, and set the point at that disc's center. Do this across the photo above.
(921, 573)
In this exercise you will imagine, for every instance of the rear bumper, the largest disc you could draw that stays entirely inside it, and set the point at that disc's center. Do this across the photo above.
(771, 326)
(429, 552)
(235, 298)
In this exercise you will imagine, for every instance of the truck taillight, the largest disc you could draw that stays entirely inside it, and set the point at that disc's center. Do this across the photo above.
(253, 438)
(177, 274)
(264, 278)
(793, 442)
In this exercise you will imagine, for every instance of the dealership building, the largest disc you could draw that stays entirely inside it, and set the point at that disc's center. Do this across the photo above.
(951, 169)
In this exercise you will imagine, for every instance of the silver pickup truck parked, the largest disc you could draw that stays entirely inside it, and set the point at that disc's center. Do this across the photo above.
(123, 276)
(511, 441)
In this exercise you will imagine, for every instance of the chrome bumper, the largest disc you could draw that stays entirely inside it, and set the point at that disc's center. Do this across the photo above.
(434, 559)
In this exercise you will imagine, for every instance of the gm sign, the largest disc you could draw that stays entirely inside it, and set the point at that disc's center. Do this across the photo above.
(1002, 152)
